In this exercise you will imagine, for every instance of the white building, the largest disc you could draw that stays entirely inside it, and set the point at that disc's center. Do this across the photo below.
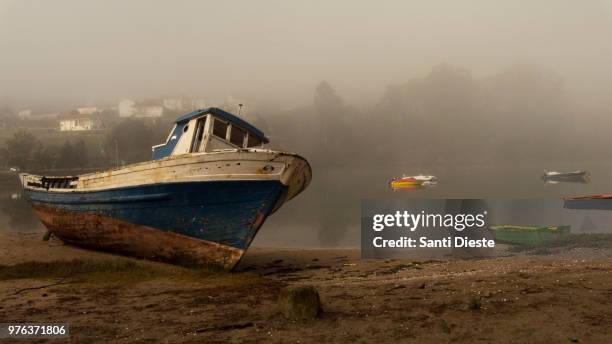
(78, 123)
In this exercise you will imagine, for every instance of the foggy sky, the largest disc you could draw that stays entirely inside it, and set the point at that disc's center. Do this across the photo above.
(89, 52)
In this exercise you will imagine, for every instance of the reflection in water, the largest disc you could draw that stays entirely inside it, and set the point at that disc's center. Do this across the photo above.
(407, 188)
(17, 214)
(583, 181)
(412, 187)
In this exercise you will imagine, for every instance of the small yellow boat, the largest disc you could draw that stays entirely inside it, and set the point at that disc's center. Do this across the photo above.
(412, 182)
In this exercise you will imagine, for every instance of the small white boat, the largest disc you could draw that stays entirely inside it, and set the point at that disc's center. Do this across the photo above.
(573, 176)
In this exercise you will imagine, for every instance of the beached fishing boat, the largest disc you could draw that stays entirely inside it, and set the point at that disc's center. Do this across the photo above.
(411, 182)
(527, 235)
(574, 176)
(202, 198)
(596, 202)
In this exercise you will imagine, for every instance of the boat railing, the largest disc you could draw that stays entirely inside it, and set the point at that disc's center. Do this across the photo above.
(43, 182)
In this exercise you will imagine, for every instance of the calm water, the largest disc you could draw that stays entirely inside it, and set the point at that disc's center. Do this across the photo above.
(327, 213)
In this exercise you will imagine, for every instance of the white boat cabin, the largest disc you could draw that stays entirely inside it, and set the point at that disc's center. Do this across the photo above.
(209, 130)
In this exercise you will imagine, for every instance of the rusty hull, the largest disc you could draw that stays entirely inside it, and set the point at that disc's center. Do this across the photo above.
(109, 234)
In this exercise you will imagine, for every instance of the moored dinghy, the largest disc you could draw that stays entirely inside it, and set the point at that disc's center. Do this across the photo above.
(201, 199)
(596, 202)
(528, 235)
(573, 176)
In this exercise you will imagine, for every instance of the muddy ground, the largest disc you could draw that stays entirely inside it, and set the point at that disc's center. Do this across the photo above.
(525, 297)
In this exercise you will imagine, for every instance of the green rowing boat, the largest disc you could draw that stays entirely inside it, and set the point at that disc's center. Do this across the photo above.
(526, 235)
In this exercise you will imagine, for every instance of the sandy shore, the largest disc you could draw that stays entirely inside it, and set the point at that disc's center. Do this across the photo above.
(565, 297)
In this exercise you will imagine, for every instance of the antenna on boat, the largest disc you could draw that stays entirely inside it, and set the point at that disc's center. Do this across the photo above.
(240, 108)
(116, 154)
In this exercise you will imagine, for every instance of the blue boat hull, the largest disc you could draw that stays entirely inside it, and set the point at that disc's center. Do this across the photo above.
(191, 222)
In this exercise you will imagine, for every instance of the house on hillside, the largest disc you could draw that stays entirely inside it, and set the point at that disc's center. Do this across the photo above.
(78, 122)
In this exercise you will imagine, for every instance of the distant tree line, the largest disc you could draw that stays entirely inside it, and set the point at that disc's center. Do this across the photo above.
(126, 142)
(521, 114)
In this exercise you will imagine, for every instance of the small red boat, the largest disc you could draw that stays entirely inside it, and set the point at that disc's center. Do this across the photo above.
(598, 202)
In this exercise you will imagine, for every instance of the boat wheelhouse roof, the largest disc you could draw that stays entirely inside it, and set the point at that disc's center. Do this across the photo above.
(224, 115)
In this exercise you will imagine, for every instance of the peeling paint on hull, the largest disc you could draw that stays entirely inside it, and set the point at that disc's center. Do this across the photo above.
(113, 235)
(221, 211)
(196, 222)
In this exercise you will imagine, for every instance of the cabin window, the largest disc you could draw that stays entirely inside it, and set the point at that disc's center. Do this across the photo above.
(254, 141)
(220, 129)
(197, 145)
(237, 136)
